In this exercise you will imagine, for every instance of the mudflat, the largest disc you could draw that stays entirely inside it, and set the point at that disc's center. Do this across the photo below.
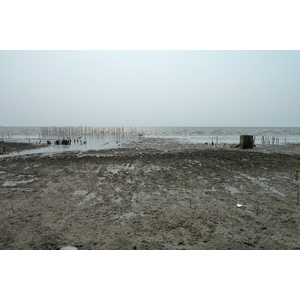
(152, 194)
(10, 147)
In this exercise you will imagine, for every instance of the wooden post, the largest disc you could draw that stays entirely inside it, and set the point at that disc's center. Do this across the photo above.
(246, 141)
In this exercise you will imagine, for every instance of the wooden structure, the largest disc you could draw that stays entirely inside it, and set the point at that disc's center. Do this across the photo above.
(246, 141)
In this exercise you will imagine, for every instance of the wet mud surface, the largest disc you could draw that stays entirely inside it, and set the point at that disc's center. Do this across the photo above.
(152, 194)
(16, 147)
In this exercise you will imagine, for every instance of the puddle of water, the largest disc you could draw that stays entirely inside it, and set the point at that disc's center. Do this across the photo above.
(130, 167)
(114, 171)
(14, 183)
(26, 181)
(69, 248)
(276, 192)
(263, 185)
(128, 215)
(9, 183)
(232, 190)
(80, 192)
(23, 175)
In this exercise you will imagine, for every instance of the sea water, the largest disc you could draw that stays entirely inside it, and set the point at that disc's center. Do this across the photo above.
(226, 134)
(114, 137)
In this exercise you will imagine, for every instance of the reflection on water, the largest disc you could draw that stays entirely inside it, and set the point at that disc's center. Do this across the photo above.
(89, 143)
(93, 138)
(79, 138)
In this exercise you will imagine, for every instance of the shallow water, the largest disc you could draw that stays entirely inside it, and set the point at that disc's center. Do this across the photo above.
(14, 183)
(128, 215)
(114, 138)
(232, 190)
(220, 135)
(92, 143)
(260, 181)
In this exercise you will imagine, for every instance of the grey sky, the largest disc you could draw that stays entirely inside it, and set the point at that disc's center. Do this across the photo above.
(150, 88)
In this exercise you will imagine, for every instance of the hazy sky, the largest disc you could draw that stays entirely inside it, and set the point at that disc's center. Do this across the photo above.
(150, 88)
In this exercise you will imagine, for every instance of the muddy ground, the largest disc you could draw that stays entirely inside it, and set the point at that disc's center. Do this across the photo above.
(152, 194)
(16, 147)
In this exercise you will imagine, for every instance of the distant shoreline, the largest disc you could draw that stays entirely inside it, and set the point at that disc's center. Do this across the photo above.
(145, 126)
